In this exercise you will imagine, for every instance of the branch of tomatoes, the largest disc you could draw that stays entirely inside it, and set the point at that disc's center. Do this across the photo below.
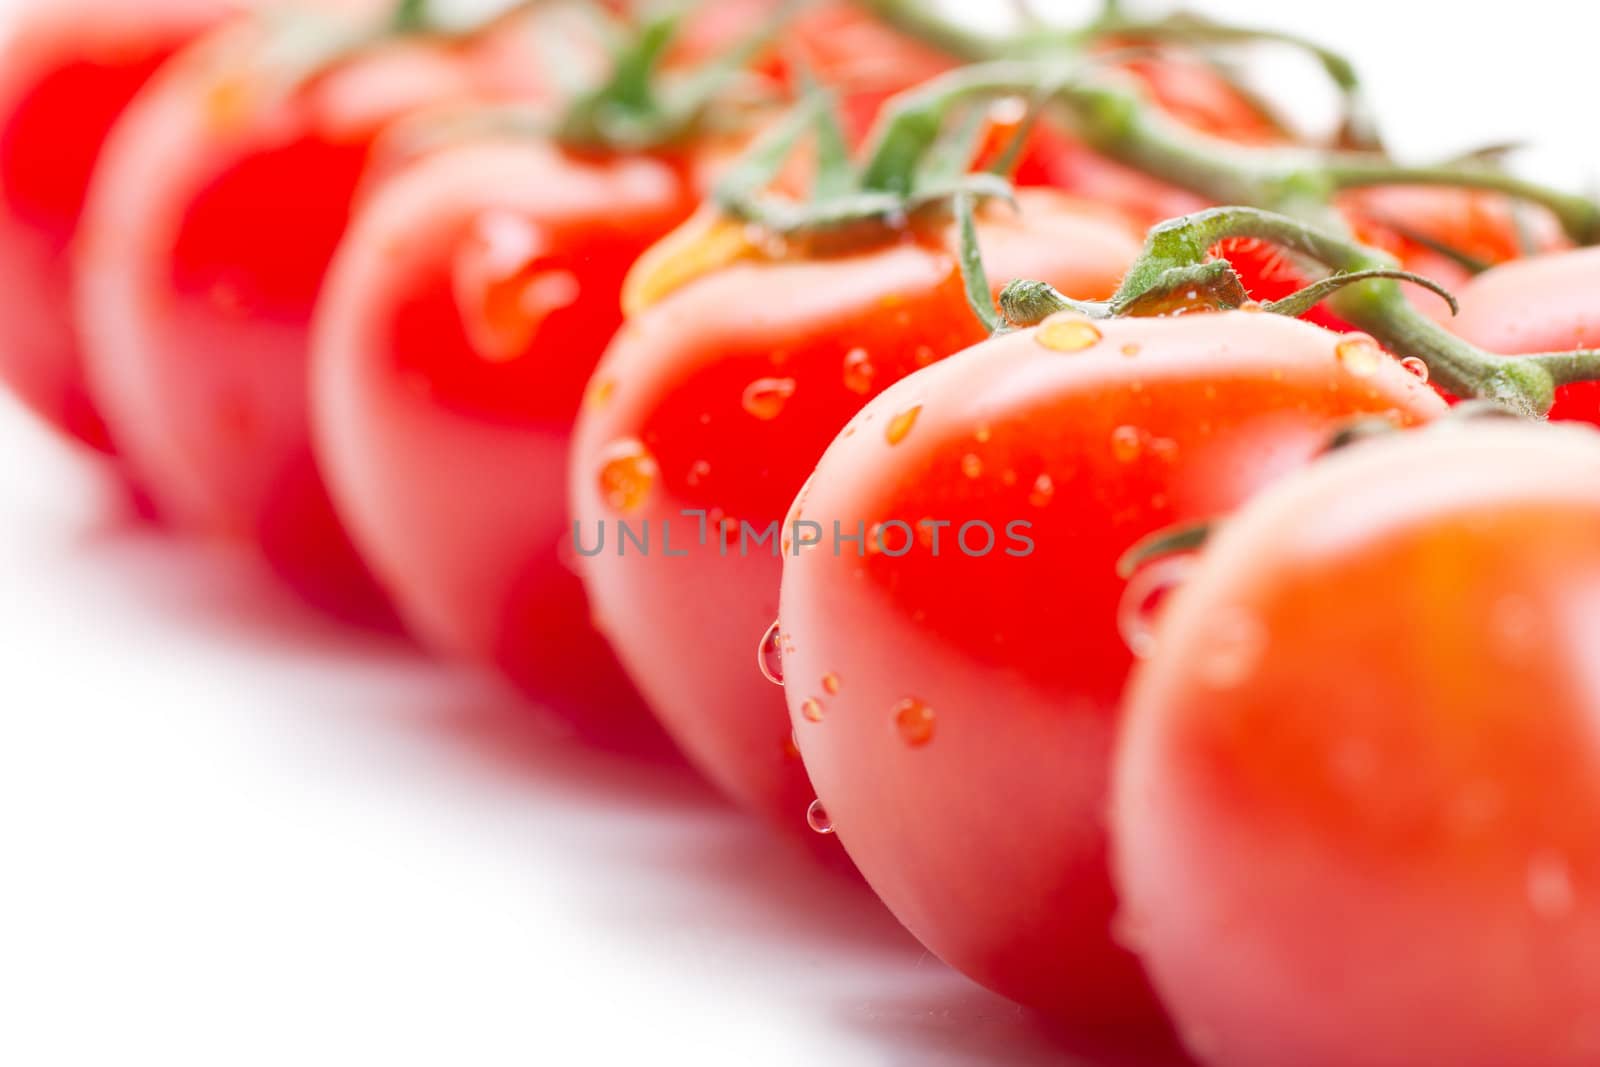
(1292, 192)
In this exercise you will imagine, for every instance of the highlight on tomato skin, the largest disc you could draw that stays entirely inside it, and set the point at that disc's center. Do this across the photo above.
(67, 70)
(1547, 303)
(709, 411)
(1357, 800)
(219, 201)
(460, 323)
(962, 754)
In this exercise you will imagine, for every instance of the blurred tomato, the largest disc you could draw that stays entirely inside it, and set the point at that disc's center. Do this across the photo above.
(67, 70)
(219, 202)
(1357, 810)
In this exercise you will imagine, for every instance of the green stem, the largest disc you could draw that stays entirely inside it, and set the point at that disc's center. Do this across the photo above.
(412, 16)
(1578, 215)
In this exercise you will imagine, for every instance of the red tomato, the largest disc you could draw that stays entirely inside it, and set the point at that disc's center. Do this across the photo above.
(456, 334)
(1545, 304)
(955, 701)
(720, 398)
(67, 71)
(217, 206)
(1357, 810)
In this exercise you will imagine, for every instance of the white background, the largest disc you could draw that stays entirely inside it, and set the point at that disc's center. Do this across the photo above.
(230, 833)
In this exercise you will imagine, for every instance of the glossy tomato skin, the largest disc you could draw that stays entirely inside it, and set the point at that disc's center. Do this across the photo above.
(722, 396)
(1358, 796)
(459, 326)
(1547, 303)
(67, 71)
(962, 748)
(219, 201)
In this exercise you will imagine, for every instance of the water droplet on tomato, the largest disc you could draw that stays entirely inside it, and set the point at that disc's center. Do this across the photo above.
(914, 721)
(1235, 647)
(1067, 331)
(599, 393)
(983, 435)
(502, 292)
(791, 746)
(1417, 367)
(830, 684)
(699, 471)
(766, 397)
(1044, 491)
(627, 476)
(818, 819)
(972, 465)
(1127, 444)
(859, 373)
(769, 654)
(811, 710)
(900, 426)
(1130, 350)
(1551, 894)
(1360, 355)
(925, 356)
(1142, 601)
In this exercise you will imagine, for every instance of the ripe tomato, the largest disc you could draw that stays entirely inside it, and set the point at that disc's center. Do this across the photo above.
(1544, 304)
(210, 223)
(1357, 804)
(955, 698)
(67, 70)
(719, 400)
(458, 328)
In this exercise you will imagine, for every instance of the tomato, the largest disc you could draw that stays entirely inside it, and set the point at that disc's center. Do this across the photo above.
(1357, 804)
(1545, 304)
(719, 400)
(955, 698)
(217, 206)
(66, 72)
(457, 331)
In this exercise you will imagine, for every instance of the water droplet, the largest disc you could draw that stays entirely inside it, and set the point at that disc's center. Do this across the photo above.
(502, 291)
(915, 721)
(1127, 444)
(830, 684)
(791, 746)
(769, 654)
(1044, 491)
(766, 397)
(1067, 332)
(1417, 367)
(1234, 650)
(1360, 355)
(699, 471)
(627, 475)
(1142, 601)
(1130, 350)
(859, 373)
(818, 819)
(1550, 890)
(811, 710)
(599, 394)
(925, 356)
(972, 466)
(983, 435)
(900, 426)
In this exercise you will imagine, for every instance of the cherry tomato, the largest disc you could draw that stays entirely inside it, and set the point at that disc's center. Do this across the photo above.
(457, 331)
(1545, 304)
(718, 400)
(217, 206)
(67, 70)
(955, 689)
(1357, 803)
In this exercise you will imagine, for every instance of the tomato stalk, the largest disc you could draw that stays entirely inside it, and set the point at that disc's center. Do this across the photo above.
(1291, 193)
(1358, 128)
